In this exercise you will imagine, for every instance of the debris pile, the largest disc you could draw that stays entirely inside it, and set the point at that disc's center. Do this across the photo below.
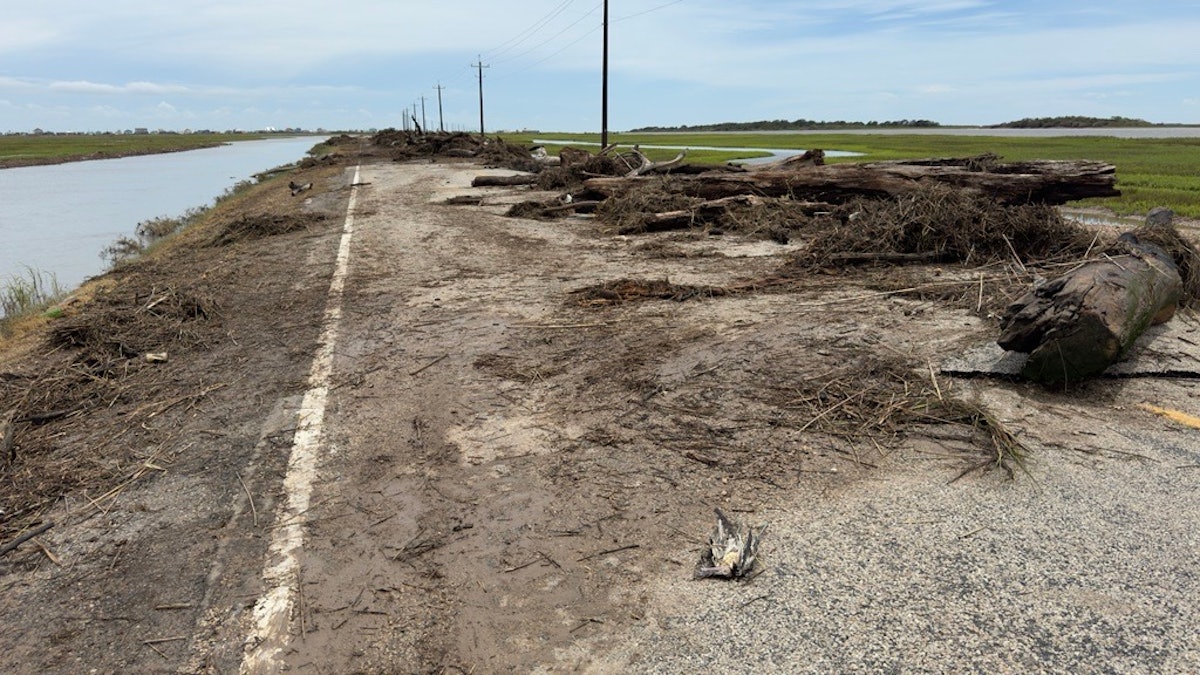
(939, 223)
(249, 227)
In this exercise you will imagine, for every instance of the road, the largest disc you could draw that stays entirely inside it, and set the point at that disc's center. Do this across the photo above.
(446, 458)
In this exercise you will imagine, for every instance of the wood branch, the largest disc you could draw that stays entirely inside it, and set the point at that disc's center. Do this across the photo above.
(7, 450)
(12, 545)
(685, 218)
(657, 167)
(865, 256)
(644, 162)
(707, 212)
(504, 181)
(1045, 182)
(1079, 324)
(544, 158)
(645, 166)
(814, 157)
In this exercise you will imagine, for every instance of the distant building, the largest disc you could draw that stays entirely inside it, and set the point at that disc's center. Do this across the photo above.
(141, 130)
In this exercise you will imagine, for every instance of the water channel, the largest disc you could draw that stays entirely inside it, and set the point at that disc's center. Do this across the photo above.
(774, 153)
(56, 219)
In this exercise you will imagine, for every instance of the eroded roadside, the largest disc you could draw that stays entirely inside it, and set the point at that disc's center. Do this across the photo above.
(146, 465)
(514, 476)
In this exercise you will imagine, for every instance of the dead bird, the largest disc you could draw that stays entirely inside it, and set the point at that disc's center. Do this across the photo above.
(297, 188)
(732, 550)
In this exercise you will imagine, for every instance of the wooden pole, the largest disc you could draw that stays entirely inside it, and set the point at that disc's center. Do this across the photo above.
(604, 85)
(441, 119)
(479, 66)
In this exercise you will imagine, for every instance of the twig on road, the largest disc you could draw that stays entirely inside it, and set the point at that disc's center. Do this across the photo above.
(429, 365)
(253, 511)
(611, 550)
(12, 545)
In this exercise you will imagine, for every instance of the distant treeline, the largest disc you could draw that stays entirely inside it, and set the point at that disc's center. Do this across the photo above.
(1072, 122)
(796, 125)
(1064, 121)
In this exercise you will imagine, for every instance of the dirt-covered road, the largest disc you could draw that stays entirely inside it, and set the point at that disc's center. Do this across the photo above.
(397, 435)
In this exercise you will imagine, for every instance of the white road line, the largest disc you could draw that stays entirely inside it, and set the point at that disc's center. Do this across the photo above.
(272, 615)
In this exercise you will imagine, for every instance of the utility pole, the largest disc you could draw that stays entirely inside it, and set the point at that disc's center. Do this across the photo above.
(479, 65)
(441, 121)
(424, 123)
(604, 86)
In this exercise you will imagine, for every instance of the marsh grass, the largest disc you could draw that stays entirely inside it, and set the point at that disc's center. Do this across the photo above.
(21, 149)
(149, 233)
(26, 294)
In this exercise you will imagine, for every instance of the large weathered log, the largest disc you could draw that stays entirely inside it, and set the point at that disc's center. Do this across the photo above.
(706, 212)
(1079, 324)
(504, 181)
(1044, 182)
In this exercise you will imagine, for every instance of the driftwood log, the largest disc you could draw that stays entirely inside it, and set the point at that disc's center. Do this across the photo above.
(504, 181)
(814, 157)
(1079, 324)
(1041, 182)
(706, 212)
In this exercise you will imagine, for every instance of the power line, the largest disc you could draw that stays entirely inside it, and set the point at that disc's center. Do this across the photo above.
(564, 48)
(581, 38)
(652, 9)
(552, 38)
(528, 32)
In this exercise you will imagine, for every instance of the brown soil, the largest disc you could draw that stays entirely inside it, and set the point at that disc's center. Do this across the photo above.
(527, 425)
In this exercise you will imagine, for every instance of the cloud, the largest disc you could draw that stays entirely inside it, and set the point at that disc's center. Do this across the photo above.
(849, 59)
(87, 87)
(17, 34)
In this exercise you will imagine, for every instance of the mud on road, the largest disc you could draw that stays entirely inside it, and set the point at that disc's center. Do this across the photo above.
(514, 475)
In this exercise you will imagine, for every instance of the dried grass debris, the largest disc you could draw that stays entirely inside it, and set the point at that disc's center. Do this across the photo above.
(886, 398)
(627, 213)
(250, 227)
(621, 291)
(1181, 250)
(942, 223)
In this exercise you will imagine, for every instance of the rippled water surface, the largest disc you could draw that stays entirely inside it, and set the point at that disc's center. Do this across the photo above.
(56, 219)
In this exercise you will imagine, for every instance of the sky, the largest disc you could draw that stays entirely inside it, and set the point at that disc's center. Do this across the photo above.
(83, 65)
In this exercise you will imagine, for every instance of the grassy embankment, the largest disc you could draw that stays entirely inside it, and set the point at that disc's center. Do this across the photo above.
(27, 295)
(1150, 172)
(56, 148)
